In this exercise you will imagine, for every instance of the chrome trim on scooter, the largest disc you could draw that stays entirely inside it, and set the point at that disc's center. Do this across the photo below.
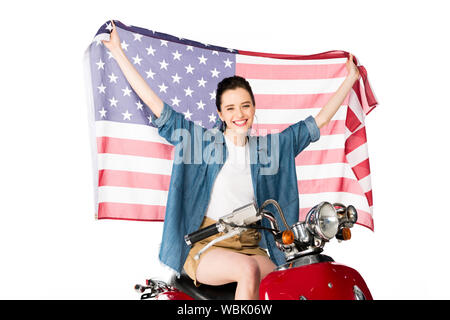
(301, 233)
(305, 260)
(359, 295)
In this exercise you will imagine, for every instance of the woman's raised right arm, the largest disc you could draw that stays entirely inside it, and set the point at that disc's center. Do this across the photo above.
(136, 81)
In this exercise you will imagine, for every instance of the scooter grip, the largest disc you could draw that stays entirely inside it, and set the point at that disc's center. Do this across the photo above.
(201, 234)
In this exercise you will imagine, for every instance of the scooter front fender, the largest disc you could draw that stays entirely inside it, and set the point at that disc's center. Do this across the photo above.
(318, 281)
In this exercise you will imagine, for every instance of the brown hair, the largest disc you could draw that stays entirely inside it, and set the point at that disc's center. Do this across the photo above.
(232, 83)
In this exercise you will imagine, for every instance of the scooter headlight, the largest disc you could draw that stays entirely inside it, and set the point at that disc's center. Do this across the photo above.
(322, 220)
(352, 214)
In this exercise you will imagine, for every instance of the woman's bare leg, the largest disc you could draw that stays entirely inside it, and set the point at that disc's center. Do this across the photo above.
(265, 265)
(219, 266)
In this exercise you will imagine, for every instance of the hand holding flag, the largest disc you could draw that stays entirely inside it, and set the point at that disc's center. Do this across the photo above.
(114, 40)
(352, 69)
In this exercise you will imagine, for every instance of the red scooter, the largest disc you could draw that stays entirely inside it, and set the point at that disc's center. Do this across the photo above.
(306, 275)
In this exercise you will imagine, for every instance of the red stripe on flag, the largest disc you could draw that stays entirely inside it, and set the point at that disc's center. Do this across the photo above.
(333, 127)
(118, 178)
(362, 169)
(322, 55)
(372, 102)
(352, 122)
(135, 148)
(369, 198)
(339, 184)
(355, 140)
(163, 151)
(320, 157)
(290, 72)
(293, 101)
(123, 211)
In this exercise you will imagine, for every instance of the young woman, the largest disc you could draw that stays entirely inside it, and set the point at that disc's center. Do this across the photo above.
(201, 193)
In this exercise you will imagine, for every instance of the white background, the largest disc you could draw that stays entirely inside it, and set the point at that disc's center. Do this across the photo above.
(51, 247)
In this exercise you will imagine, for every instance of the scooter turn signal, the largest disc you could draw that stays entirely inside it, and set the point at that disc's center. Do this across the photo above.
(344, 234)
(287, 237)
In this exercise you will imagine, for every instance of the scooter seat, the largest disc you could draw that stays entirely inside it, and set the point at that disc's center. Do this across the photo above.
(203, 292)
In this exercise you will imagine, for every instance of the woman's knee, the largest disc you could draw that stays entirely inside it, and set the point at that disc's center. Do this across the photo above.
(249, 271)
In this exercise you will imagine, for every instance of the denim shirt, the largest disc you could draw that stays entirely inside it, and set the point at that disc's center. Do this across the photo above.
(200, 154)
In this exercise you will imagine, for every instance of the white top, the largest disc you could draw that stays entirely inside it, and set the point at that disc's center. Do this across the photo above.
(233, 186)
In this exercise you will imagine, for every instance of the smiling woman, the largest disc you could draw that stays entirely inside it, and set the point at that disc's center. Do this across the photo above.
(237, 113)
(200, 193)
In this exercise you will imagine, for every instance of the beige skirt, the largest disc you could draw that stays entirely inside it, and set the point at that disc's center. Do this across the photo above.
(246, 243)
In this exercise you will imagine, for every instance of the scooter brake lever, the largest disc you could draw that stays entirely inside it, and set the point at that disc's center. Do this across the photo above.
(211, 243)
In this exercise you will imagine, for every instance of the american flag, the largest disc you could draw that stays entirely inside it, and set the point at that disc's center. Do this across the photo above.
(132, 163)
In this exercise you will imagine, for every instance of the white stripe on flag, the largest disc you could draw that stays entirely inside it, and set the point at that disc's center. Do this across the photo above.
(241, 58)
(311, 199)
(158, 197)
(324, 171)
(334, 141)
(132, 195)
(366, 184)
(290, 116)
(310, 86)
(128, 131)
(358, 155)
(110, 161)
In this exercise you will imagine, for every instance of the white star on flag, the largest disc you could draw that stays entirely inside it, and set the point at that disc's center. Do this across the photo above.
(212, 117)
(188, 91)
(124, 45)
(150, 74)
(201, 105)
(228, 63)
(137, 36)
(126, 115)
(187, 114)
(113, 102)
(215, 73)
(176, 78)
(101, 88)
(176, 101)
(139, 105)
(109, 26)
(163, 88)
(176, 55)
(163, 64)
(126, 91)
(137, 60)
(103, 113)
(150, 51)
(202, 82)
(190, 69)
(112, 78)
(100, 64)
(202, 59)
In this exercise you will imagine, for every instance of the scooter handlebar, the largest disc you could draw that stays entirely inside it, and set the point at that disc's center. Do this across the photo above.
(201, 234)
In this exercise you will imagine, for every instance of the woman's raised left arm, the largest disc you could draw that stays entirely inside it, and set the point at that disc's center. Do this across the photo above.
(328, 111)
